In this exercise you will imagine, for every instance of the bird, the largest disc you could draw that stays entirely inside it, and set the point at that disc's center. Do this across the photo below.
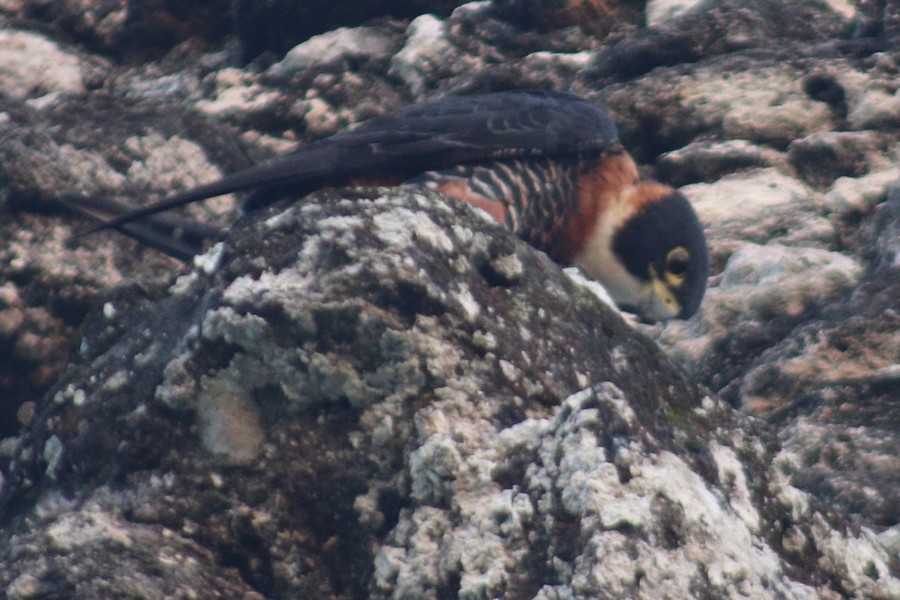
(547, 165)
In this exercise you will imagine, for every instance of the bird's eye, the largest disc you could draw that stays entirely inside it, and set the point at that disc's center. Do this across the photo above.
(677, 262)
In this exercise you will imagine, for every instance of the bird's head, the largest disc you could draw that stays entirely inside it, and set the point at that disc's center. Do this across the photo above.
(649, 252)
(661, 245)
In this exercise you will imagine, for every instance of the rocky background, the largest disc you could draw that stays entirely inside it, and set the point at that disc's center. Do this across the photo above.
(380, 394)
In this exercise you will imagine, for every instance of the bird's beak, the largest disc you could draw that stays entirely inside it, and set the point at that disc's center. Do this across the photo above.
(658, 302)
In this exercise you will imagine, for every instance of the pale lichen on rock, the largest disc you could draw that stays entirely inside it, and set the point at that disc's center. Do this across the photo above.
(379, 393)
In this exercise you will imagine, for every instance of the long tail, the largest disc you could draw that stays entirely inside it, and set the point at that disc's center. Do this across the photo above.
(176, 236)
(299, 172)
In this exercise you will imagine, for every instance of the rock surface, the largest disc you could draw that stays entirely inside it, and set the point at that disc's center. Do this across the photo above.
(376, 394)
(385, 396)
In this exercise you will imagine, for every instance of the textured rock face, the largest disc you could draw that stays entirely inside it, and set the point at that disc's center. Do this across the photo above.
(381, 394)
(387, 395)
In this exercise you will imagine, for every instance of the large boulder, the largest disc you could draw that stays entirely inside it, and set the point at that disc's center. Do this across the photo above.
(385, 394)
(381, 394)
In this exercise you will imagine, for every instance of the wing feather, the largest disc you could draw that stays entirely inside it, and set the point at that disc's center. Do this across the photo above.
(448, 131)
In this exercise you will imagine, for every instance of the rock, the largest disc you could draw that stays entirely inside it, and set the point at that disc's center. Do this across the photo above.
(275, 26)
(52, 283)
(760, 284)
(759, 206)
(717, 27)
(662, 110)
(33, 66)
(660, 11)
(352, 404)
(337, 50)
(823, 157)
(320, 465)
(818, 359)
(705, 161)
(876, 105)
(135, 30)
(597, 17)
(852, 198)
(841, 368)
(423, 56)
(79, 536)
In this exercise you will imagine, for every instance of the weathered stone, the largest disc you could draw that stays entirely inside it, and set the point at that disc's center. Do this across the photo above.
(136, 30)
(705, 161)
(330, 353)
(759, 206)
(90, 145)
(33, 66)
(275, 26)
(823, 157)
(338, 50)
(320, 465)
(851, 198)
(660, 11)
(717, 27)
(597, 17)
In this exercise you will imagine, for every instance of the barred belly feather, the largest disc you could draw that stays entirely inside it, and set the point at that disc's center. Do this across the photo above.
(533, 197)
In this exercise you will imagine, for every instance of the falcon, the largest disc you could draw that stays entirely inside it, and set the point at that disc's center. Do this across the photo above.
(547, 165)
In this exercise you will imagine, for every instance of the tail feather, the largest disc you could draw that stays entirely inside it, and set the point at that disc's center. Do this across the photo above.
(173, 235)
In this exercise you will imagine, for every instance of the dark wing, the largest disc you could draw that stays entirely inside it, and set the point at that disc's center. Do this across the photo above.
(431, 135)
(460, 129)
